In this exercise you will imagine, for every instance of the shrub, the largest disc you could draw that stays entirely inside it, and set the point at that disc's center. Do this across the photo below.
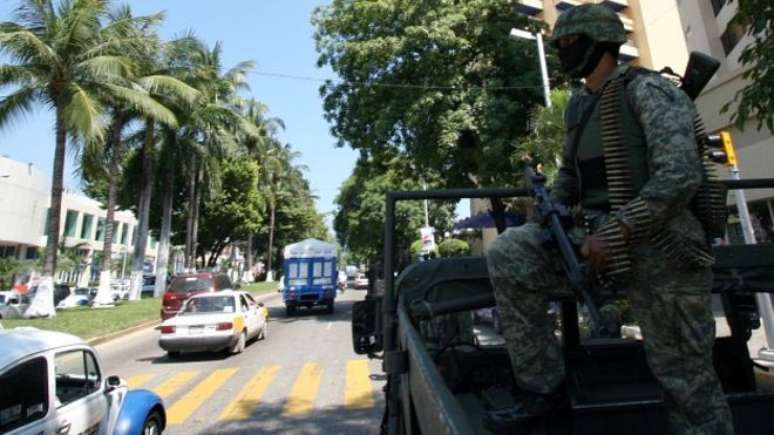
(453, 248)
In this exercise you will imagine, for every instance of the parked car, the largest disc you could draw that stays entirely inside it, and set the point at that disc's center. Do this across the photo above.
(61, 291)
(52, 382)
(184, 286)
(5, 295)
(15, 305)
(119, 289)
(148, 285)
(80, 297)
(361, 282)
(212, 322)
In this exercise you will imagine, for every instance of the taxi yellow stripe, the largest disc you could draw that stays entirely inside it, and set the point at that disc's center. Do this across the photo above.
(168, 387)
(359, 392)
(183, 408)
(304, 391)
(250, 396)
(139, 380)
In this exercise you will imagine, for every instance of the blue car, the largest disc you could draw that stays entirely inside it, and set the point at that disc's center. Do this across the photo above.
(52, 383)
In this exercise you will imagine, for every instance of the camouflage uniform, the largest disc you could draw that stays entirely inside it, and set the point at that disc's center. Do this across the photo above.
(670, 299)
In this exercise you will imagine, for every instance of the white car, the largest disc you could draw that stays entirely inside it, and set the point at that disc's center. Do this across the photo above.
(212, 322)
(53, 383)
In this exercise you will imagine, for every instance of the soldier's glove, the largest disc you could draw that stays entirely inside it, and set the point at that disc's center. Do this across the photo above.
(595, 248)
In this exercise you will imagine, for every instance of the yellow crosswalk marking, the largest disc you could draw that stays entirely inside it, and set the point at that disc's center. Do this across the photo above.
(183, 408)
(304, 391)
(358, 393)
(168, 387)
(248, 398)
(139, 380)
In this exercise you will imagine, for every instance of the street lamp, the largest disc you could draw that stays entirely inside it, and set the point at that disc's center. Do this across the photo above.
(523, 34)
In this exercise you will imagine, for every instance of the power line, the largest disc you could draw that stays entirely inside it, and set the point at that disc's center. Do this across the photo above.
(390, 85)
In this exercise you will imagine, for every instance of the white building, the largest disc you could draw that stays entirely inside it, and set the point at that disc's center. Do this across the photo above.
(708, 28)
(24, 205)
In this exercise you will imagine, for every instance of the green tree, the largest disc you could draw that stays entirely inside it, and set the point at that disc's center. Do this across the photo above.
(359, 220)
(453, 248)
(755, 99)
(544, 145)
(233, 211)
(60, 60)
(453, 92)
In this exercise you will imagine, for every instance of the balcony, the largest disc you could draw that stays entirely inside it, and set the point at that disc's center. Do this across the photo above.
(529, 7)
(563, 5)
(627, 23)
(616, 5)
(629, 52)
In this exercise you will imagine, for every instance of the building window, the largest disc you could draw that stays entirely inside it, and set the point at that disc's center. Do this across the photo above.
(124, 233)
(7, 251)
(71, 223)
(32, 253)
(733, 34)
(88, 221)
(100, 235)
(115, 230)
(717, 6)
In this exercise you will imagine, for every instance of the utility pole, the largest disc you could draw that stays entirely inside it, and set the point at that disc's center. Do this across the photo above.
(523, 34)
(763, 300)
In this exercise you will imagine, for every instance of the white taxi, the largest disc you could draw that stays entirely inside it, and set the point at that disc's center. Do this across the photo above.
(224, 320)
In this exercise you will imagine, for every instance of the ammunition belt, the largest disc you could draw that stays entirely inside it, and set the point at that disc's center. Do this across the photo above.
(709, 203)
(619, 185)
(634, 212)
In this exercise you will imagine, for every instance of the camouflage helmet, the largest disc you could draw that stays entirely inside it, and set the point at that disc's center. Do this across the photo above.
(593, 20)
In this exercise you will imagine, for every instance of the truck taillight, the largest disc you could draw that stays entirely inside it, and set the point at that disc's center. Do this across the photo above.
(224, 326)
(167, 329)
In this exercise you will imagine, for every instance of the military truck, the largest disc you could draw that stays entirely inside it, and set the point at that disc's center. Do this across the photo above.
(445, 365)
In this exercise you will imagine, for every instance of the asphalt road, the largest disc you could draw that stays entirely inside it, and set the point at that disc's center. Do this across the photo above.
(304, 378)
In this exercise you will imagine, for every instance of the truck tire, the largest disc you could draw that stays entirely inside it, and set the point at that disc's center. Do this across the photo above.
(290, 310)
(330, 308)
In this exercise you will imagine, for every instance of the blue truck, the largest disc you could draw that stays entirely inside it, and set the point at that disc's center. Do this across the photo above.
(309, 275)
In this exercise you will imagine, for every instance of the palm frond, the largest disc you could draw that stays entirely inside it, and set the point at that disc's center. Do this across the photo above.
(163, 84)
(24, 46)
(83, 114)
(17, 105)
(107, 67)
(22, 75)
(143, 103)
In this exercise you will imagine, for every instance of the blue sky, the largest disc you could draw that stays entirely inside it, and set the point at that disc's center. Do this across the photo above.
(277, 34)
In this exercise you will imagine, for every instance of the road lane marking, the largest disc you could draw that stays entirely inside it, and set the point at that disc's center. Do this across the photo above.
(183, 408)
(250, 396)
(328, 327)
(168, 387)
(301, 397)
(359, 392)
(139, 380)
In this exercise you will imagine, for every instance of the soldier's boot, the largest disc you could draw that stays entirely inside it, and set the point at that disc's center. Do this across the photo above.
(528, 407)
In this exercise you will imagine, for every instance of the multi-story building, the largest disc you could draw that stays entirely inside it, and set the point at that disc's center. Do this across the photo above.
(24, 212)
(654, 33)
(708, 28)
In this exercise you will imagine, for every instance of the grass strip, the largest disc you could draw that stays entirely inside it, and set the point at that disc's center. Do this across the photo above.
(94, 322)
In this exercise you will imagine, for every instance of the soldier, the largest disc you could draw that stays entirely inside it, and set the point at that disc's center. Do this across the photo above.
(631, 163)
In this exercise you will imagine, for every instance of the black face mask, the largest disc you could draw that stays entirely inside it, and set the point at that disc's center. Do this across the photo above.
(581, 57)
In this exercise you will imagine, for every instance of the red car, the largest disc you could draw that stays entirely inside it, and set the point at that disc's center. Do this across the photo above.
(184, 286)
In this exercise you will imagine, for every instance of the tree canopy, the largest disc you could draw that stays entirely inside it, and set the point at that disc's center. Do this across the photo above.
(453, 92)
(756, 100)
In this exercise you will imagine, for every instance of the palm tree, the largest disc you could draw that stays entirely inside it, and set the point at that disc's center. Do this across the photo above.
(60, 60)
(260, 148)
(214, 124)
(141, 104)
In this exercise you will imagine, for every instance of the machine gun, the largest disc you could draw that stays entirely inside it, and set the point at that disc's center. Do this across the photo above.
(556, 219)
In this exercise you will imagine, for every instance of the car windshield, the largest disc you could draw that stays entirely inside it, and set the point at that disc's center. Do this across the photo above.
(210, 304)
(2, 299)
(82, 291)
(190, 284)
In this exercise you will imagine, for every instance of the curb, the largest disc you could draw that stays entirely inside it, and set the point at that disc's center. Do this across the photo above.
(117, 334)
